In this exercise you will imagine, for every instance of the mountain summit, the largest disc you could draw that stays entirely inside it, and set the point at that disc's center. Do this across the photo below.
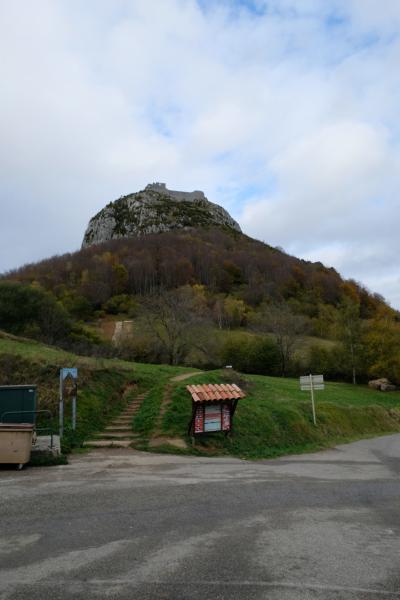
(153, 210)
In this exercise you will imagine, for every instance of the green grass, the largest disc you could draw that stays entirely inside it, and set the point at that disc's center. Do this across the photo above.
(275, 418)
(101, 385)
(32, 350)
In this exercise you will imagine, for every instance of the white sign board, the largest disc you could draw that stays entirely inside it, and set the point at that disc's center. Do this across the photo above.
(316, 381)
(310, 383)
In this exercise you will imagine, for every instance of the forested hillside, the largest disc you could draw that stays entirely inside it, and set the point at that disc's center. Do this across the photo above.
(223, 262)
(206, 297)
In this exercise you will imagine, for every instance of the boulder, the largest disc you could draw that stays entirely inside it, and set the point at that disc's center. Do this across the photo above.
(388, 387)
(383, 385)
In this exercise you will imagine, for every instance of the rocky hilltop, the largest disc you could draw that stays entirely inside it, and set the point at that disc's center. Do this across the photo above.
(153, 210)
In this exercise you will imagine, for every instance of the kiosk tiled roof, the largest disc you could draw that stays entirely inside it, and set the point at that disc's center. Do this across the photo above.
(215, 391)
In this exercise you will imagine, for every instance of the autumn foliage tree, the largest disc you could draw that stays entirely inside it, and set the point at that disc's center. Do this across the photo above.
(382, 342)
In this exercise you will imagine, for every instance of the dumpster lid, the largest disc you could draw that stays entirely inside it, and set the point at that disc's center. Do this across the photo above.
(7, 388)
(13, 426)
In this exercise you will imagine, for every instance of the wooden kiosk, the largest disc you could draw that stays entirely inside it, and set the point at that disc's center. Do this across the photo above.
(213, 407)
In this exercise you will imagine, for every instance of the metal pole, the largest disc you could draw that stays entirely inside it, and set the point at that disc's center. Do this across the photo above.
(74, 413)
(312, 399)
(61, 407)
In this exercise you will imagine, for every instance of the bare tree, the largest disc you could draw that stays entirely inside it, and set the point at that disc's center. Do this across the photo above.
(176, 323)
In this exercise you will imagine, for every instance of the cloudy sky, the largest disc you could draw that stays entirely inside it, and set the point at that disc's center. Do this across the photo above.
(286, 112)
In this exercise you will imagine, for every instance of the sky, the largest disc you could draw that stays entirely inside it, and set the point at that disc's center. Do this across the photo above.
(285, 112)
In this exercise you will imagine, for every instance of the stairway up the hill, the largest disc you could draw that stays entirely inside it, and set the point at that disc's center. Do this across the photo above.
(119, 433)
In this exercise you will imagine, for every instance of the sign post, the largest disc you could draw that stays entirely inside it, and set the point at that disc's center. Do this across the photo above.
(312, 399)
(311, 383)
(68, 389)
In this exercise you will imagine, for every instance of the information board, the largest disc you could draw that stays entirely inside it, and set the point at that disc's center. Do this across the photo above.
(226, 418)
(199, 420)
(212, 417)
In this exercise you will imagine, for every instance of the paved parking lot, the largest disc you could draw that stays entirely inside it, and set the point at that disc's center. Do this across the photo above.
(125, 525)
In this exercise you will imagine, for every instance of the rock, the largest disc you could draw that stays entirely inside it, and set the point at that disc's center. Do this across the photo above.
(383, 384)
(388, 387)
(153, 210)
(376, 383)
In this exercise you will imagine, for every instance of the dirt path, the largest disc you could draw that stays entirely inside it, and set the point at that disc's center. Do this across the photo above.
(185, 376)
(158, 437)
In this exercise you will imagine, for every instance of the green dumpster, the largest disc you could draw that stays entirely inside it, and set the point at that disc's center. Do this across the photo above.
(17, 403)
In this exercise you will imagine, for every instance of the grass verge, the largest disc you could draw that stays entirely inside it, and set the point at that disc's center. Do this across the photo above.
(101, 383)
(275, 418)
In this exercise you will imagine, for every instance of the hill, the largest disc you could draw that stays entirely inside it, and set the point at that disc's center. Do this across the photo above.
(153, 210)
(224, 262)
(199, 292)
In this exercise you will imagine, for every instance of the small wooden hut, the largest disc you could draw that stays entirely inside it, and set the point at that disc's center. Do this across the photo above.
(213, 407)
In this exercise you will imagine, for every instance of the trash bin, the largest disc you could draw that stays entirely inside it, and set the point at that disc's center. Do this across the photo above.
(15, 443)
(16, 399)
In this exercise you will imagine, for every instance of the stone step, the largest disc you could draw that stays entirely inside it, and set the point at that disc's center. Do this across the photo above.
(122, 416)
(108, 443)
(118, 435)
(118, 428)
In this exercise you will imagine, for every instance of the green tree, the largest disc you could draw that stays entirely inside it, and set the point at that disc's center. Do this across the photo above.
(285, 327)
(350, 331)
(382, 341)
(259, 355)
(30, 310)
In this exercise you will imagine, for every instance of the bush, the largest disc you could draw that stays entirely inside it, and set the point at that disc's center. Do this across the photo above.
(31, 311)
(120, 304)
(332, 363)
(256, 355)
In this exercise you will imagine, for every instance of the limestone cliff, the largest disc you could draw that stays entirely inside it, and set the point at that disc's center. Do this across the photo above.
(153, 210)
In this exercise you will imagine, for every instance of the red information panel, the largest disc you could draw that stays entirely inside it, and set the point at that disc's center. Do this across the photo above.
(226, 418)
(212, 420)
(199, 420)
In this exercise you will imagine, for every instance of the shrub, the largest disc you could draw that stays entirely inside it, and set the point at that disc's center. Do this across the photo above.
(30, 310)
(257, 355)
(120, 304)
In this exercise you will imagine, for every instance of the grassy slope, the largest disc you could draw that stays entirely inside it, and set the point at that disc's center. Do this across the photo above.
(101, 381)
(275, 417)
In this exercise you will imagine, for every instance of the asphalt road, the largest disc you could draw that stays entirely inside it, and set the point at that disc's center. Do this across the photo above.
(127, 525)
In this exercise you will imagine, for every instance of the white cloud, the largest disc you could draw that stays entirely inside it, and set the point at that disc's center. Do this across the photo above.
(292, 107)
